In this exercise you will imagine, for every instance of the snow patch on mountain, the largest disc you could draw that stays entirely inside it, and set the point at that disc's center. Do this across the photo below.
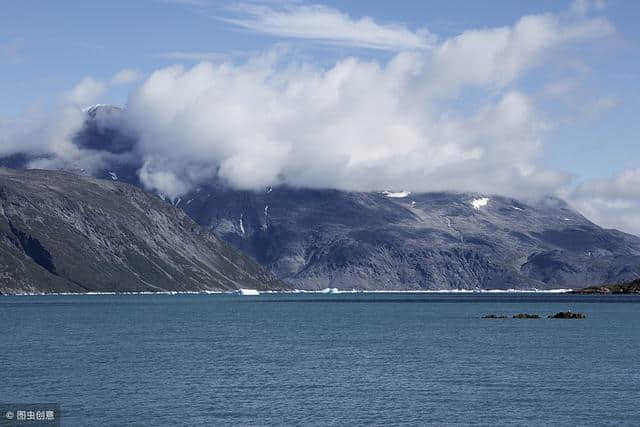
(478, 203)
(396, 195)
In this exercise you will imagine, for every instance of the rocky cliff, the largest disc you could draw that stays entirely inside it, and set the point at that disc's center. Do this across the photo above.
(60, 232)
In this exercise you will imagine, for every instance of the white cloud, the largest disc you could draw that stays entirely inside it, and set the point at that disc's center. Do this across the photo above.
(322, 23)
(497, 56)
(360, 124)
(49, 135)
(345, 127)
(86, 92)
(125, 76)
(611, 202)
(582, 7)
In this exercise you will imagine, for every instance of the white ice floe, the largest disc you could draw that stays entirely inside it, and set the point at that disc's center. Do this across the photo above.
(517, 208)
(247, 292)
(329, 291)
(397, 194)
(478, 203)
(113, 176)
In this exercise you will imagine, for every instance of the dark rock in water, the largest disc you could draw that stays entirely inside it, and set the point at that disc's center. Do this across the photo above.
(494, 316)
(623, 288)
(60, 232)
(525, 316)
(567, 315)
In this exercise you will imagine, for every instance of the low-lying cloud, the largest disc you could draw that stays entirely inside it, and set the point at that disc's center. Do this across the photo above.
(613, 202)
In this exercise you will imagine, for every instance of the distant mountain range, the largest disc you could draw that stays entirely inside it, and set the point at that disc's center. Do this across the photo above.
(316, 239)
(60, 232)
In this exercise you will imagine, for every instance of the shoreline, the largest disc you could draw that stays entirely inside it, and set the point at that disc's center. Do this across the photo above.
(331, 291)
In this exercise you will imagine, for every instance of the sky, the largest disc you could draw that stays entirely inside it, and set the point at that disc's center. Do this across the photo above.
(506, 97)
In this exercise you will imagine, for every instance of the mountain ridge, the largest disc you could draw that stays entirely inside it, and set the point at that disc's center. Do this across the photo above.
(60, 232)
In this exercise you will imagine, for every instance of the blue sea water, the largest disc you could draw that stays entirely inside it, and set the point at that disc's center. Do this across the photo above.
(346, 359)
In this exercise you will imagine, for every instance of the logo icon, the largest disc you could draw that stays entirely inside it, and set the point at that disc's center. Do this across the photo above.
(9, 415)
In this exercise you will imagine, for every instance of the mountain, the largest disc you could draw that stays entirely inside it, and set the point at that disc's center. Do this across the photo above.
(324, 238)
(316, 239)
(60, 232)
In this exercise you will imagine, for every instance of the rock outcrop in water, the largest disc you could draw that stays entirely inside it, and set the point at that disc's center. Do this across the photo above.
(632, 287)
(60, 232)
(526, 316)
(567, 315)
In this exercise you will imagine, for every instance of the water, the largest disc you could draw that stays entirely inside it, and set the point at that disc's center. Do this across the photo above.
(348, 359)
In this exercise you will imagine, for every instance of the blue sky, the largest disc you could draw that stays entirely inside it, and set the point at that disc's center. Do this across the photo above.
(587, 91)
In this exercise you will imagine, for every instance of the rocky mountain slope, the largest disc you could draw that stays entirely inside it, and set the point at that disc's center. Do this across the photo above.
(60, 232)
(326, 238)
(318, 239)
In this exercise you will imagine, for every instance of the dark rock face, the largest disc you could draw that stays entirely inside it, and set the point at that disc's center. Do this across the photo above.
(316, 239)
(64, 233)
(526, 316)
(104, 130)
(567, 315)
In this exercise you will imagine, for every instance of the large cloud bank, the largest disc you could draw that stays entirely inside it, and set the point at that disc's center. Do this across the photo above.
(359, 124)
